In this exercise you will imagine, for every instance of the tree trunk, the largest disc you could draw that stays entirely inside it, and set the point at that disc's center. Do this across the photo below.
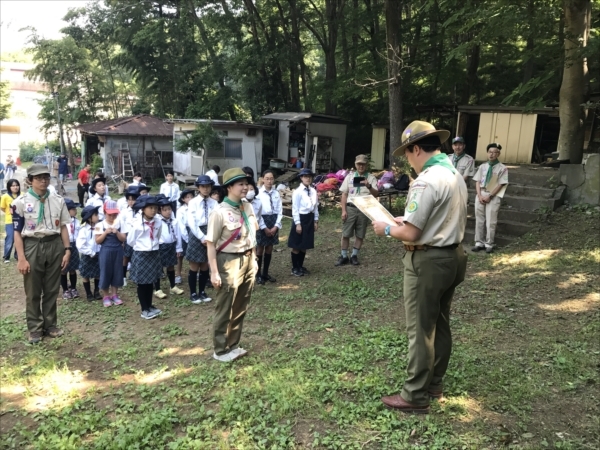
(575, 73)
(471, 79)
(393, 19)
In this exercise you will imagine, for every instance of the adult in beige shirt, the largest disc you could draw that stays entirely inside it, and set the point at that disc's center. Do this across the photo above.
(230, 242)
(355, 222)
(434, 263)
(42, 242)
(461, 161)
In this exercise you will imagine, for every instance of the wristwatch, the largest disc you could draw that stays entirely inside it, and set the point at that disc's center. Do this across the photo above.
(67, 249)
(387, 230)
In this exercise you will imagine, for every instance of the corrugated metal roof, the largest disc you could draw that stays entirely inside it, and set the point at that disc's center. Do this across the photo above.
(300, 116)
(140, 125)
(221, 123)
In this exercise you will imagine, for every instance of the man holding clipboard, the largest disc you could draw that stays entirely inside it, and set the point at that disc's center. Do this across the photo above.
(432, 230)
(491, 180)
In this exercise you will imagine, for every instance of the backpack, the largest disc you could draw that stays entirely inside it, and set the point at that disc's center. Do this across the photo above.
(403, 183)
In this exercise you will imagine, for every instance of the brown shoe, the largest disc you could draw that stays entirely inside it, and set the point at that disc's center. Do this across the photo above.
(35, 337)
(397, 402)
(436, 394)
(54, 332)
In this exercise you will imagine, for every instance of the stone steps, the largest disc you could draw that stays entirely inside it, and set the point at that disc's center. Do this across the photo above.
(505, 227)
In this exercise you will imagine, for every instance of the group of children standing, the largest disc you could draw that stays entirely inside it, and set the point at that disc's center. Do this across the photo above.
(148, 233)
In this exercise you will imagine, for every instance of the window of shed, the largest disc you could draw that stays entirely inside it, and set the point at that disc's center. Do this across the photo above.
(233, 148)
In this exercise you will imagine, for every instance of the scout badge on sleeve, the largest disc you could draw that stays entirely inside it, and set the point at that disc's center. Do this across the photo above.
(29, 207)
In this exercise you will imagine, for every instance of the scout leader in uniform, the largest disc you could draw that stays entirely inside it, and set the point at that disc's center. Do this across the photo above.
(356, 184)
(462, 162)
(231, 239)
(434, 264)
(42, 242)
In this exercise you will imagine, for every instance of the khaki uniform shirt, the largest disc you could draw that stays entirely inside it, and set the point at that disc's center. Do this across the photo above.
(348, 186)
(224, 221)
(437, 205)
(499, 170)
(25, 215)
(465, 165)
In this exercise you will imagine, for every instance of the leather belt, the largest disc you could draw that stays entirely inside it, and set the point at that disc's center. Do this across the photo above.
(412, 248)
(48, 238)
(246, 253)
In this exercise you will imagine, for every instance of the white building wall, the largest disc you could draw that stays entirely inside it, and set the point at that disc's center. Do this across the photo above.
(333, 130)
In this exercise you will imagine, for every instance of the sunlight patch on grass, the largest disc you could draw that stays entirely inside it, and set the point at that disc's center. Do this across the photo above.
(578, 278)
(528, 258)
(589, 302)
(160, 375)
(288, 287)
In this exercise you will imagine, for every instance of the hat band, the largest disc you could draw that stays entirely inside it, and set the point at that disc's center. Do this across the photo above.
(236, 178)
(417, 136)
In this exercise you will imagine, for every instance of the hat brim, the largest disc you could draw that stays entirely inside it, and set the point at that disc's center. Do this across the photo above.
(237, 178)
(442, 134)
(111, 211)
(90, 214)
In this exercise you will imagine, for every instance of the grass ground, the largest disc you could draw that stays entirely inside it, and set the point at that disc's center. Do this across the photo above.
(323, 350)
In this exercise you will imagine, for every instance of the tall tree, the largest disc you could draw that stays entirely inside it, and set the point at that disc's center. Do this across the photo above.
(573, 90)
(393, 23)
(4, 96)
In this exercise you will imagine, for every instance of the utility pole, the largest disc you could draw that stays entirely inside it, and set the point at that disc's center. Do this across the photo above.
(60, 131)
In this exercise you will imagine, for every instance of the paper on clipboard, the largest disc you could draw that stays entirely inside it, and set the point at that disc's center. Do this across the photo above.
(493, 184)
(374, 210)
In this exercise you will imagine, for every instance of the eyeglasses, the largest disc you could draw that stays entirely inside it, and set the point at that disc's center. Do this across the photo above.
(268, 178)
(42, 177)
(495, 153)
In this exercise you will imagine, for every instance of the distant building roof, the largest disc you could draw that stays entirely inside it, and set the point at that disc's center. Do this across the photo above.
(140, 125)
(552, 111)
(221, 123)
(305, 116)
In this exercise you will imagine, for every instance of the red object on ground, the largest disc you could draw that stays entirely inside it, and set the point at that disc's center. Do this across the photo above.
(18, 161)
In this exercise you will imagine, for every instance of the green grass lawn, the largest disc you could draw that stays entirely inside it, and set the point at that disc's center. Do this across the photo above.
(323, 350)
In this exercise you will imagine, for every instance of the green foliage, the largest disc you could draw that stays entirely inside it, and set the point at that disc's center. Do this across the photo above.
(30, 149)
(97, 163)
(204, 137)
(4, 96)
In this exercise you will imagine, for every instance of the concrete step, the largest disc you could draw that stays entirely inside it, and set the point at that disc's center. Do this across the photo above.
(505, 227)
(501, 239)
(534, 176)
(525, 203)
(510, 214)
(522, 190)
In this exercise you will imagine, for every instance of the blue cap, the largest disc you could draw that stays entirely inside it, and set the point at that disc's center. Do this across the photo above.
(88, 212)
(132, 191)
(70, 204)
(203, 180)
(458, 139)
(306, 172)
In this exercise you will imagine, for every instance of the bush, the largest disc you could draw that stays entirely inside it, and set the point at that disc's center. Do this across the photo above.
(97, 163)
(31, 149)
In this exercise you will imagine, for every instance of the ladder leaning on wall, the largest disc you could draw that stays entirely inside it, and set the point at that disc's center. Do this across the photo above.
(126, 163)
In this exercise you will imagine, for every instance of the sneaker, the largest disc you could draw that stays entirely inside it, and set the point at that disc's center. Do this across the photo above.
(297, 272)
(489, 250)
(205, 298)
(106, 302)
(177, 291)
(177, 280)
(124, 281)
(227, 357)
(159, 294)
(342, 261)
(476, 248)
(148, 315)
(67, 294)
(269, 278)
(117, 300)
(195, 299)
(304, 270)
(155, 311)
(354, 260)
(259, 280)
(54, 332)
(239, 352)
(35, 337)
(74, 293)
(7, 261)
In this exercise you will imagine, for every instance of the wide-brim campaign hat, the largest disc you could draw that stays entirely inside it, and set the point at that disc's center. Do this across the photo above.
(164, 201)
(306, 173)
(416, 131)
(145, 200)
(70, 204)
(88, 212)
(186, 192)
(37, 169)
(233, 175)
(204, 180)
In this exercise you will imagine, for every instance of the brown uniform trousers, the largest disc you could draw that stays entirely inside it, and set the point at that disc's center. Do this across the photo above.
(237, 273)
(42, 283)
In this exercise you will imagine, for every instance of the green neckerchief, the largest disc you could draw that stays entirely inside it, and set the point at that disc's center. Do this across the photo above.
(42, 201)
(366, 175)
(439, 160)
(490, 171)
(241, 207)
(456, 159)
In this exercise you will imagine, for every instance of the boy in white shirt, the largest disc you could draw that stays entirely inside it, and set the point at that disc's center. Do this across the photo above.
(170, 189)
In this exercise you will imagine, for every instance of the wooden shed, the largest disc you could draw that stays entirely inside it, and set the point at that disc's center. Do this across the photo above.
(317, 138)
(140, 143)
(525, 135)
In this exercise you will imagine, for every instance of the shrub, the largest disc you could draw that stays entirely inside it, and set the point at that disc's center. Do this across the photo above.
(29, 150)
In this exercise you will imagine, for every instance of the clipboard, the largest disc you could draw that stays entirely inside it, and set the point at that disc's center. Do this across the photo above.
(370, 207)
(493, 184)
